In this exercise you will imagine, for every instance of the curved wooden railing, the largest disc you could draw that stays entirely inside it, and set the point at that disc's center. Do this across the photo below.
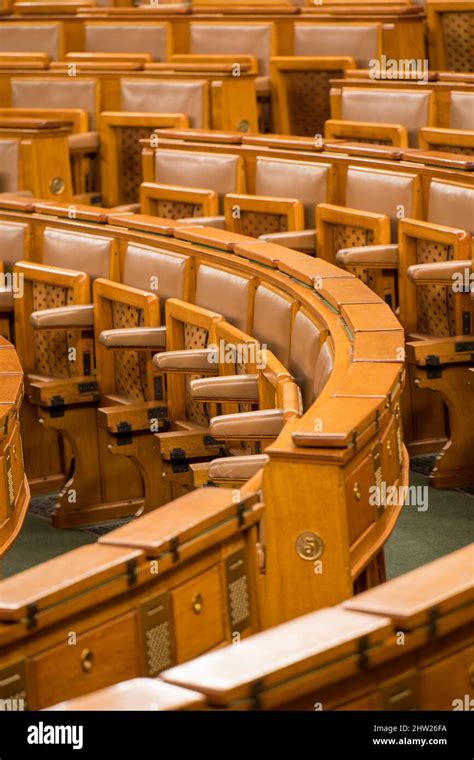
(301, 536)
(14, 488)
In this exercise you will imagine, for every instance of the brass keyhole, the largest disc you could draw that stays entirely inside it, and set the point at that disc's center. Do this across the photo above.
(197, 604)
(356, 490)
(87, 660)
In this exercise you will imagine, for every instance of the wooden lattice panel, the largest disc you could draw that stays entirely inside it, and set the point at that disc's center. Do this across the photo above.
(130, 370)
(52, 354)
(195, 337)
(130, 157)
(458, 30)
(308, 100)
(255, 224)
(178, 209)
(435, 303)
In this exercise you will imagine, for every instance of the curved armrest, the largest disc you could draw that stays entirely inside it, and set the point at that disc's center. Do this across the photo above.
(84, 141)
(385, 256)
(439, 271)
(265, 423)
(226, 388)
(192, 360)
(67, 317)
(298, 240)
(237, 468)
(138, 338)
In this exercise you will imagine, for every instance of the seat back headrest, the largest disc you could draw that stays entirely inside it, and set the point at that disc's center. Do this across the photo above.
(272, 322)
(360, 42)
(462, 110)
(240, 39)
(67, 92)
(304, 353)
(160, 272)
(224, 293)
(32, 38)
(381, 192)
(167, 96)
(293, 179)
(127, 38)
(451, 205)
(9, 165)
(74, 250)
(13, 237)
(410, 108)
(214, 171)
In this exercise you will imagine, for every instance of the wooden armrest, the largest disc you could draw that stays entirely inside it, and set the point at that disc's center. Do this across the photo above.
(329, 214)
(438, 233)
(77, 316)
(395, 134)
(439, 272)
(292, 208)
(189, 312)
(66, 278)
(83, 57)
(151, 191)
(248, 63)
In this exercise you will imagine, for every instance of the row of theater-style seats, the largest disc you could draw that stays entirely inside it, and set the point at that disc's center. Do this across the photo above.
(405, 645)
(69, 113)
(306, 341)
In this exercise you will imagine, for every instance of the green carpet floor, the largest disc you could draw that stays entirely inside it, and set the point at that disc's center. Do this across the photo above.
(418, 538)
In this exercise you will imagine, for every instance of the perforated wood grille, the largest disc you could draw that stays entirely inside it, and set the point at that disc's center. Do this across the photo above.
(195, 337)
(52, 355)
(346, 236)
(458, 30)
(460, 149)
(255, 224)
(157, 634)
(238, 591)
(435, 303)
(178, 210)
(308, 100)
(130, 366)
(130, 161)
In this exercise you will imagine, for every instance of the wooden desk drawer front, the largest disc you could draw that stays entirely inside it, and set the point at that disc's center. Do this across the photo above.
(447, 680)
(198, 612)
(361, 513)
(11, 473)
(102, 656)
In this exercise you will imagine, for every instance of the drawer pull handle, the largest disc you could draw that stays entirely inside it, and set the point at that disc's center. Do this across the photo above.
(87, 660)
(389, 448)
(356, 490)
(197, 604)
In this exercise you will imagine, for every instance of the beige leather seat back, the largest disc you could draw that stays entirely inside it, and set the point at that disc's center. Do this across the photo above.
(34, 37)
(13, 242)
(167, 96)
(224, 38)
(462, 110)
(311, 362)
(381, 192)
(213, 171)
(361, 41)
(451, 205)
(293, 179)
(410, 108)
(160, 272)
(64, 92)
(272, 322)
(83, 253)
(128, 37)
(225, 293)
(9, 165)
